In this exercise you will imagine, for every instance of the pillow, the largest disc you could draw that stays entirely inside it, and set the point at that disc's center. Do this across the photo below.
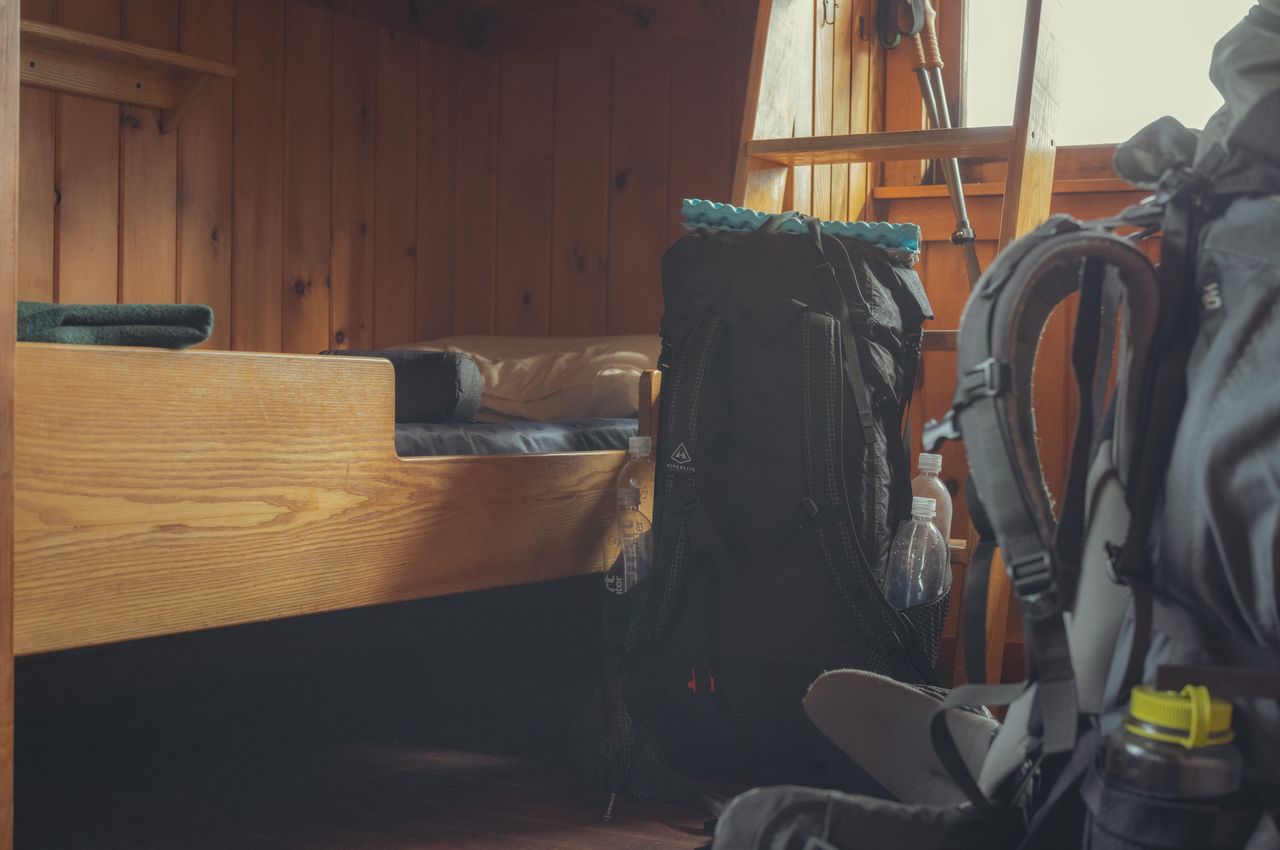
(431, 386)
(557, 377)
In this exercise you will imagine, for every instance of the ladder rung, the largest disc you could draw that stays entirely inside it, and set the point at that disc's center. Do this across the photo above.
(940, 341)
(961, 142)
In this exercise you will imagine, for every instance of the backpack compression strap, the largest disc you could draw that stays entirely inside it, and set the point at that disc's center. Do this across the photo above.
(999, 336)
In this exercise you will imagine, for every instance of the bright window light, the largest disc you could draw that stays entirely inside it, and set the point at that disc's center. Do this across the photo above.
(1124, 63)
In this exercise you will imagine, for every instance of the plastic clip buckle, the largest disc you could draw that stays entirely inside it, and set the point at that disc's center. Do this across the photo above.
(988, 379)
(1033, 582)
(938, 431)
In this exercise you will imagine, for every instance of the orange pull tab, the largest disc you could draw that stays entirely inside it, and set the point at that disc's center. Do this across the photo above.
(692, 684)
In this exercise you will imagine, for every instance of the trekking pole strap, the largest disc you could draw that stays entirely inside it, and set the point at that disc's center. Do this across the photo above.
(944, 745)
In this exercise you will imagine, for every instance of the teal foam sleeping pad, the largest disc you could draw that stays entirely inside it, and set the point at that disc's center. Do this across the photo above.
(150, 325)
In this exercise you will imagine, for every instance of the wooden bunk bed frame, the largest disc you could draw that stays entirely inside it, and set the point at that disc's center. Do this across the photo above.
(159, 492)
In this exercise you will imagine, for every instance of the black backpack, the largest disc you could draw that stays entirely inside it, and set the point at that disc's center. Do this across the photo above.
(781, 476)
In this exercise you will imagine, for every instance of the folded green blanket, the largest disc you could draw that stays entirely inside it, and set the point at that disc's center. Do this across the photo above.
(152, 325)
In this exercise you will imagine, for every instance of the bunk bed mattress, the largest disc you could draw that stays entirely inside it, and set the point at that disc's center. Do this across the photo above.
(520, 437)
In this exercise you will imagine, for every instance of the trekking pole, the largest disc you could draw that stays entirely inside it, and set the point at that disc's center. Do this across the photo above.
(929, 74)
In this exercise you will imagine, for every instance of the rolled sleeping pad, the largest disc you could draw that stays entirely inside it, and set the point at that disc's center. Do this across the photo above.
(431, 386)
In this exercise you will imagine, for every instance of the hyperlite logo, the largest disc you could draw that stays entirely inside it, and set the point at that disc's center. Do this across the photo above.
(681, 460)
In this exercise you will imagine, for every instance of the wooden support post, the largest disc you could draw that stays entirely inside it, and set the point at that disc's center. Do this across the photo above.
(9, 72)
(1029, 184)
(650, 386)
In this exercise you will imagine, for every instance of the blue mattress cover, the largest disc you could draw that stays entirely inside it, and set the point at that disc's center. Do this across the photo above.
(486, 438)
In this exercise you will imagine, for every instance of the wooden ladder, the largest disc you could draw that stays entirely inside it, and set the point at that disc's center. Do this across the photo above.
(779, 88)
(781, 82)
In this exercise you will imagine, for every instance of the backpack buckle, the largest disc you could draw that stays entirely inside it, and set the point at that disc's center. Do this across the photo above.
(988, 379)
(1033, 582)
(938, 431)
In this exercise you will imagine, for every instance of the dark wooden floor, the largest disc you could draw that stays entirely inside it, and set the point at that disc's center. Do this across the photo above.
(380, 797)
(364, 729)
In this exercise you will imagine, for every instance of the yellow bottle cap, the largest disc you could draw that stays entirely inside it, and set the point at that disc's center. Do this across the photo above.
(1190, 717)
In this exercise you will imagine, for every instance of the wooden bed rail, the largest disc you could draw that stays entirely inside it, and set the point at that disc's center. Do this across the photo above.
(160, 492)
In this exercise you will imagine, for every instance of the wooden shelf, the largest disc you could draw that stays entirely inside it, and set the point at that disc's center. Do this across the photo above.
(75, 62)
(962, 142)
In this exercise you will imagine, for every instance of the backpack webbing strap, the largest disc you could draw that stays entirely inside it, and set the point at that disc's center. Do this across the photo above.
(1166, 386)
(836, 303)
(882, 625)
(977, 576)
(944, 745)
(1085, 353)
(677, 484)
(998, 343)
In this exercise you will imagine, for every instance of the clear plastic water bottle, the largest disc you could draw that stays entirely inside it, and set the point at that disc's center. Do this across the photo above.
(628, 548)
(919, 570)
(930, 486)
(638, 473)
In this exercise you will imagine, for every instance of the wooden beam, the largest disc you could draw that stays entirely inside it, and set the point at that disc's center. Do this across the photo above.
(433, 20)
(9, 75)
(650, 388)
(1029, 184)
(616, 22)
(962, 142)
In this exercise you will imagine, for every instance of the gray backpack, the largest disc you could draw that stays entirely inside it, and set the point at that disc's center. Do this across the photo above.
(1163, 564)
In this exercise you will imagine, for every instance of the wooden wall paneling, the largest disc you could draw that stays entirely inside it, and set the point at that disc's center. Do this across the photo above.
(701, 115)
(308, 70)
(433, 21)
(9, 168)
(395, 236)
(477, 168)
(824, 38)
(866, 107)
(580, 190)
(842, 64)
(875, 93)
(638, 216)
(88, 175)
(903, 110)
(617, 24)
(800, 183)
(204, 170)
(36, 181)
(526, 167)
(148, 172)
(257, 242)
(437, 189)
(355, 103)
(740, 51)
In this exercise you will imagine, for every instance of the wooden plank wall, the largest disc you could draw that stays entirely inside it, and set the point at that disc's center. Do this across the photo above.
(356, 186)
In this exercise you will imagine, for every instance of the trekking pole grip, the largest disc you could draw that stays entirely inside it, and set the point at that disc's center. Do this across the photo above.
(928, 54)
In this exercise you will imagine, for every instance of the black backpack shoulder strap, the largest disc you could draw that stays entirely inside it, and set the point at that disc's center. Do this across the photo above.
(999, 336)
(888, 632)
(683, 530)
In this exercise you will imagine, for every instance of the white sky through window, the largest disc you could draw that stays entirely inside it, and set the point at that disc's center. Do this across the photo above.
(1124, 63)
